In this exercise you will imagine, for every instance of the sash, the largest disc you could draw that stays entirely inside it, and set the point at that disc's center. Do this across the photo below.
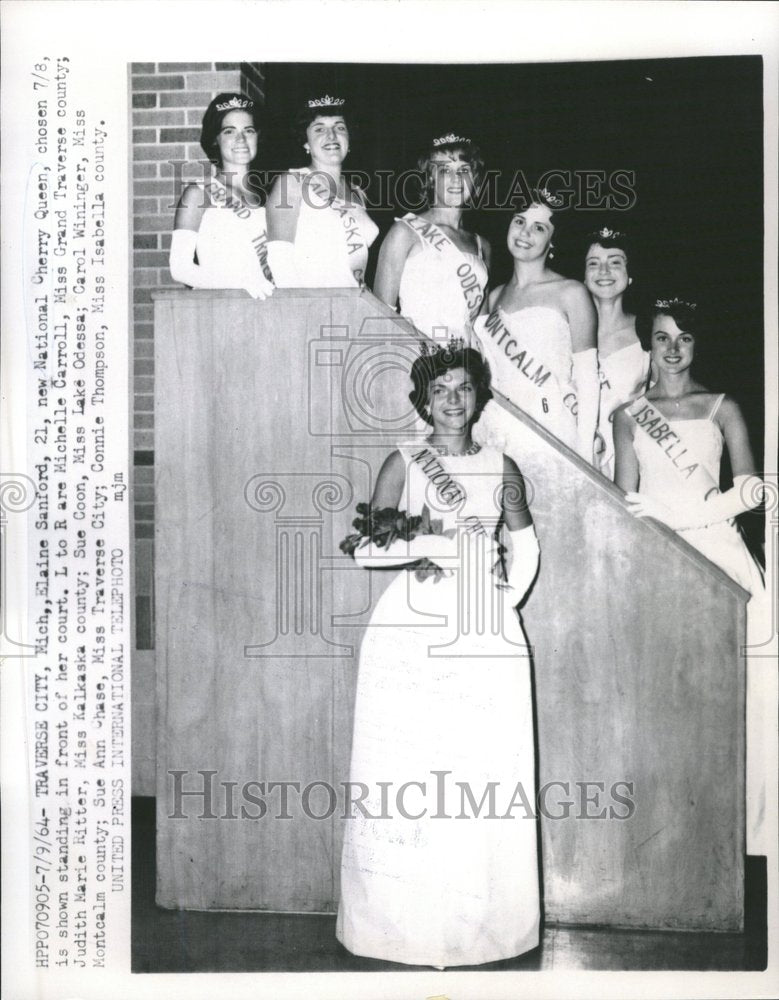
(354, 241)
(672, 447)
(222, 198)
(448, 490)
(439, 243)
(508, 353)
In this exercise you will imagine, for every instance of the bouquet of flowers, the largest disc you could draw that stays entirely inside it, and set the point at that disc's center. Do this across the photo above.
(383, 526)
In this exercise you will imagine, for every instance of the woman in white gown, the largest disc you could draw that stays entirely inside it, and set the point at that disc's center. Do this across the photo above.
(443, 713)
(219, 237)
(318, 229)
(668, 449)
(539, 338)
(429, 262)
(623, 364)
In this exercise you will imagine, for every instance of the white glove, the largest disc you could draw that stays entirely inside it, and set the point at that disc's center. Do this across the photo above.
(183, 268)
(437, 548)
(585, 377)
(281, 261)
(524, 564)
(745, 494)
(258, 286)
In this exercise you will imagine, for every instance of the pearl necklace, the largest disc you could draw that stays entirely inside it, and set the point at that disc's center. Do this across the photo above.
(473, 449)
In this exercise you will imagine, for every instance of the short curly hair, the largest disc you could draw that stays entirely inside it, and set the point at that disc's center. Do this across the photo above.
(428, 367)
(213, 118)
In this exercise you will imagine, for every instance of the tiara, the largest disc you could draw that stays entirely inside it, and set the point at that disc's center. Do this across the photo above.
(326, 102)
(449, 139)
(552, 200)
(235, 102)
(428, 349)
(608, 234)
(668, 303)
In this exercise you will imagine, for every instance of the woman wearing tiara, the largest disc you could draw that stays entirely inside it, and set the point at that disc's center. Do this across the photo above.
(318, 230)
(623, 364)
(429, 262)
(444, 699)
(218, 237)
(669, 444)
(539, 338)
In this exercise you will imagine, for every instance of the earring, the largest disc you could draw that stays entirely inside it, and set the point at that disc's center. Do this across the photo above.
(630, 281)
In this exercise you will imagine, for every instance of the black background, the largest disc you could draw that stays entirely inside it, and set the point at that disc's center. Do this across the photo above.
(691, 130)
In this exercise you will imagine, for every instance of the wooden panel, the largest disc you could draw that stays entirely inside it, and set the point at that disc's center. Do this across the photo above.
(272, 421)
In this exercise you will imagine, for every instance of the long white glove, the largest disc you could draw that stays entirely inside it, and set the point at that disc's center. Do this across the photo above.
(183, 268)
(281, 260)
(524, 563)
(400, 552)
(585, 377)
(745, 494)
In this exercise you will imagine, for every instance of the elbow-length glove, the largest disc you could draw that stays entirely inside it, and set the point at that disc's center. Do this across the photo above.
(745, 494)
(525, 554)
(184, 269)
(585, 377)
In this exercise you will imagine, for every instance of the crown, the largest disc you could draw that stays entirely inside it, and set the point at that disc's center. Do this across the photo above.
(608, 234)
(430, 349)
(551, 200)
(668, 303)
(326, 102)
(235, 102)
(450, 139)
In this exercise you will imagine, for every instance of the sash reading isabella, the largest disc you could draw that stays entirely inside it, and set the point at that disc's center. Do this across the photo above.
(652, 423)
(435, 241)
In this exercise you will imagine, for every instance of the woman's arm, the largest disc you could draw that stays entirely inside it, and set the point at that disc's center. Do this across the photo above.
(392, 259)
(734, 430)
(281, 217)
(186, 223)
(583, 322)
(626, 472)
(486, 253)
(516, 512)
(524, 544)
(494, 297)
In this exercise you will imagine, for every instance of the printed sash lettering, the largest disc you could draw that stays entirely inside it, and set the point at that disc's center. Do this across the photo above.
(652, 423)
(435, 241)
(222, 198)
(356, 246)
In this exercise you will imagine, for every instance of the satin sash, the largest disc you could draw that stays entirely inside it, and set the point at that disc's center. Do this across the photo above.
(354, 240)
(222, 198)
(672, 447)
(436, 241)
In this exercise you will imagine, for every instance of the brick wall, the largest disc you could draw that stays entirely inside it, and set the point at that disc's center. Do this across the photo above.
(168, 101)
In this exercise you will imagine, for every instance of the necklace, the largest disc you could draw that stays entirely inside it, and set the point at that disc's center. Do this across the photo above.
(473, 449)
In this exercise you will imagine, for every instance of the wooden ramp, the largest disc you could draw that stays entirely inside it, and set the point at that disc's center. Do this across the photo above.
(272, 420)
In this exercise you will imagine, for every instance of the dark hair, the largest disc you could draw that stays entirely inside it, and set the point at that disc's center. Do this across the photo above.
(684, 313)
(469, 151)
(305, 115)
(428, 367)
(609, 239)
(215, 114)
